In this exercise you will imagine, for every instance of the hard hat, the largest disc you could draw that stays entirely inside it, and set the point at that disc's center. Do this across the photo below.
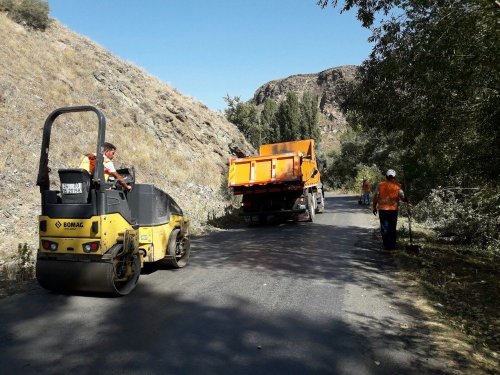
(391, 172)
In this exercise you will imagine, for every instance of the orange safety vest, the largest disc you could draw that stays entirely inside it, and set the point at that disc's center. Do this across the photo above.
(388, 195)
(88, 162)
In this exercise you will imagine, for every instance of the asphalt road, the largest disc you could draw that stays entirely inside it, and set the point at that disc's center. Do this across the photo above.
(300, 298)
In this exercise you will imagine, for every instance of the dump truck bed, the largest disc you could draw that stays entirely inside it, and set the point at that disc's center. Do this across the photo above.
(278, 163)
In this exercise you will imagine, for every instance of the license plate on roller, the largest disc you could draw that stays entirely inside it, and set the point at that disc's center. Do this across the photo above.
(72, 188)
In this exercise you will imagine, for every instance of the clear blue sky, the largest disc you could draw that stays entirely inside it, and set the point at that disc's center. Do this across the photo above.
(209, 48)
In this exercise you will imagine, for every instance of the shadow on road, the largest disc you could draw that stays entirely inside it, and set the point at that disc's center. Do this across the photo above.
(165, 333)
(155, 333)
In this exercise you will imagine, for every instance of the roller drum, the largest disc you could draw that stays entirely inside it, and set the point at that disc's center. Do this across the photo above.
(87, 277)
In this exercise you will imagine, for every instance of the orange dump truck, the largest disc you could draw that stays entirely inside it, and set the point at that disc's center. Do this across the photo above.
(283, 180)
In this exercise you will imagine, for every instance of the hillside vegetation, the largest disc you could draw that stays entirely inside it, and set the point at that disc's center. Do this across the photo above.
(173, 141)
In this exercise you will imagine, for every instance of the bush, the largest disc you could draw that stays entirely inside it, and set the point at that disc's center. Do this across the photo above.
(468, 216)
(372, 173)
(32, 13)
(6, 5)
(344, 174)
(25, 262)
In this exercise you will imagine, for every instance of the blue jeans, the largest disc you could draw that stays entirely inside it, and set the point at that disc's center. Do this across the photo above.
(366, 197)
(388, 221)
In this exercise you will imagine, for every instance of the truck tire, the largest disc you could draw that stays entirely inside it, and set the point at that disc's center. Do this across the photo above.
(310, 207)
(321, 204)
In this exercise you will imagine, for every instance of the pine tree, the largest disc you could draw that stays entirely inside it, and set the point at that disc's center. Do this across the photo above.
(268, 123)
(288, 118)
(309, 117)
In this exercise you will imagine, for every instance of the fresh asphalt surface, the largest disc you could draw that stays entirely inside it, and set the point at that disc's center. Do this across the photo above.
(297, 298)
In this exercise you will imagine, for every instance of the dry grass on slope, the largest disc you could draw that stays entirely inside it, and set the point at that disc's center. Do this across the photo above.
(172, 140)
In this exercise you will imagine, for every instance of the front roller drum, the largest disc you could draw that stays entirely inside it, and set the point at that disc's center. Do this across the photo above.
(88, 277)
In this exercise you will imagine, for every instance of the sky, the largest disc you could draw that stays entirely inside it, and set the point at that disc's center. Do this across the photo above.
(207, 49)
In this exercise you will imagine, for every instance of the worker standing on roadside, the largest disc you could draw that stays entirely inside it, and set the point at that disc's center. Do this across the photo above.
(366, 191)
(386, 202)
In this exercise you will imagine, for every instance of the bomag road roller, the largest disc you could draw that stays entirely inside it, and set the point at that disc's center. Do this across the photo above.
(94, 236)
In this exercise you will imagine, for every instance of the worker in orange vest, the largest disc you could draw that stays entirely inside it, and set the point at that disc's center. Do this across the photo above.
(88, 163)
(386, 202)
(366, 191)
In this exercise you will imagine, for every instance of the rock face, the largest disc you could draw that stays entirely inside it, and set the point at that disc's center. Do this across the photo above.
(327, 85)
(172, 140)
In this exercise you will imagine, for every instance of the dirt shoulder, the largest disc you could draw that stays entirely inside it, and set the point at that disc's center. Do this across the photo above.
(458, 290)
(11, 287)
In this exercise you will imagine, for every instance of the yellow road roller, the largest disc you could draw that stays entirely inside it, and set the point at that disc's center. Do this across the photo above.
(94, 236)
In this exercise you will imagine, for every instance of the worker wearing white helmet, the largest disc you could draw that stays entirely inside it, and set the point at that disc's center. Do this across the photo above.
(386, 202)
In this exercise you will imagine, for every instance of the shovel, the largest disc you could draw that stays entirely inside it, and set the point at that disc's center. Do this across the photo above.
(411, 248)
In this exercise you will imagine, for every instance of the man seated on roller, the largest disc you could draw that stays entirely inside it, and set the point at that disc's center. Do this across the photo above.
(89, 160)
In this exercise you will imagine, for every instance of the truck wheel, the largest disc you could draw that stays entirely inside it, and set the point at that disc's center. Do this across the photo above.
(321, 204)
(310, 207)
(178, 250)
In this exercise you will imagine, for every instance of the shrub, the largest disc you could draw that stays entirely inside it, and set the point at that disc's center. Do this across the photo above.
(6, 5)
(465, 215)
(25, 262)
(33, 13)
(344, 174)
(372, 173)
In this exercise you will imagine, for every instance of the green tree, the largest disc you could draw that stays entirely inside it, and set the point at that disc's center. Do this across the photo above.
(309, 117)
(429, 97)
(268, 122)
(430, 93)
(288, 118)
(33, 13)
(291, 119)
(6, 5)
(245, 117)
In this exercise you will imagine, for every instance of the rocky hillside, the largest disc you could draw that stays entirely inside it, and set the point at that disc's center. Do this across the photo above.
(327, 85)
(172, 140)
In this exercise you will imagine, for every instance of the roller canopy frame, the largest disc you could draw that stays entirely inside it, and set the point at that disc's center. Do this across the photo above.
(43, 179)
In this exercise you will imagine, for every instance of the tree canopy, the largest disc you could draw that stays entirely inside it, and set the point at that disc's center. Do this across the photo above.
(429, 90)
(245, 117)
(426, 103)
(289, 120)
